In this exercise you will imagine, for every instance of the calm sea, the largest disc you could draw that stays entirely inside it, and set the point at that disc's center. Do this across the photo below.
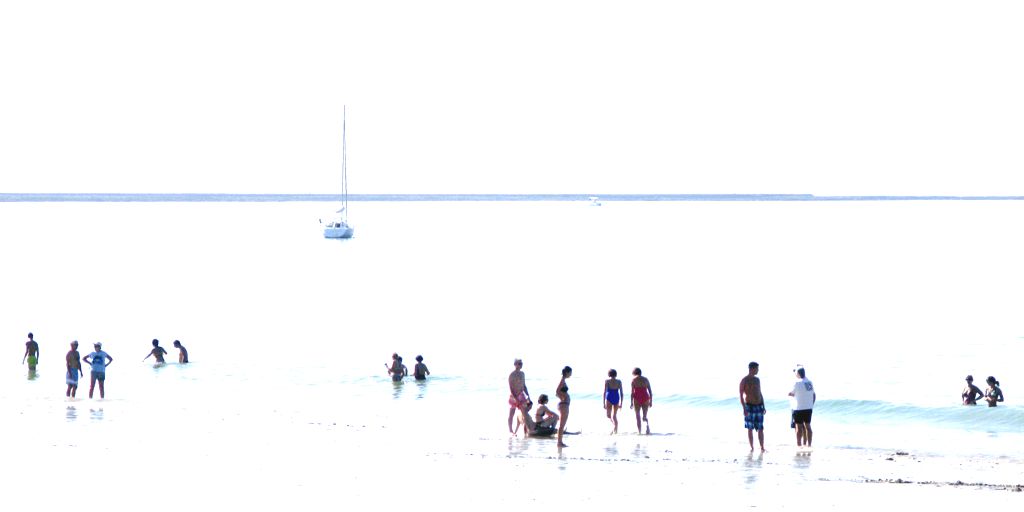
(888, 304)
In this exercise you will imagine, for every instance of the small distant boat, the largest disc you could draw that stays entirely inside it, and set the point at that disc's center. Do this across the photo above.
(339, 227)
(595, 201)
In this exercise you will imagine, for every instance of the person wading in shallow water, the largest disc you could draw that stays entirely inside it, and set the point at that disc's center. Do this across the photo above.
(397, 370)
(993, 394)
(971, 392)
(753, 405)
(613, 399)
(420, 371)
(158, 352)
(641, 398)
(31, 353)
(182, 353)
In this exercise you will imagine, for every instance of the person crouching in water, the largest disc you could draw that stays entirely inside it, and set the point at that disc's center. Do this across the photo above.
(74, 364)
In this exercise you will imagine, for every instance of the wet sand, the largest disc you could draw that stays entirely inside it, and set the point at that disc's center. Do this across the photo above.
(330, 465)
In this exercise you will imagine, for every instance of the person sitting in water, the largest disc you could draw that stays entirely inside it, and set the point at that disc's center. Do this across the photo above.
(971, 393)
(420, 371)
(182, 353)
(531, 427)
(523, 418)
(993, 394)
(158, 352)
(545, 416)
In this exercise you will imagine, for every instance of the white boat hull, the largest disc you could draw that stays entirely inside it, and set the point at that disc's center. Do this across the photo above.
(338, 230)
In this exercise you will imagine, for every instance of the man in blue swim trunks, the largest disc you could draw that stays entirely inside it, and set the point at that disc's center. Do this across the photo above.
(753, 405)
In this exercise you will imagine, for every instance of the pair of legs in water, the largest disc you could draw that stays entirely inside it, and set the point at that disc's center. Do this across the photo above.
(643, 407)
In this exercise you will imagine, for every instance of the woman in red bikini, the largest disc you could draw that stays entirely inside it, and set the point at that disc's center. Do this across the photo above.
(641, 398)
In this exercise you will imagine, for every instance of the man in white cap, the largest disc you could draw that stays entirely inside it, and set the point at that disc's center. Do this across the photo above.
(804, 397)
(99, 361)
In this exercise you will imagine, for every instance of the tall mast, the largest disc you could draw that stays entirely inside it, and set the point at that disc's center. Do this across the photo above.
(344, 166)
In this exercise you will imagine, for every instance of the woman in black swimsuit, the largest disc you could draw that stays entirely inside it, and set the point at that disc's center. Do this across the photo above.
(562, 392)
(993, 394)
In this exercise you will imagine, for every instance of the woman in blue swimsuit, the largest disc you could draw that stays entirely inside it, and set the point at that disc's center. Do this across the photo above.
(613, 399)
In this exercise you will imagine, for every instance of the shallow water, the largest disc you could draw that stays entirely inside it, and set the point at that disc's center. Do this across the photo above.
(887, 304)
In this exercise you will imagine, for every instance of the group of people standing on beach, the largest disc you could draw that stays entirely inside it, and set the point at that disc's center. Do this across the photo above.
(98, 360)
(544, 419)
(399, 371)
(803, 397)
(992, 395)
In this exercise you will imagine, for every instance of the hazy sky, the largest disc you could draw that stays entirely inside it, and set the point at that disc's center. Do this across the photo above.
(823, 97)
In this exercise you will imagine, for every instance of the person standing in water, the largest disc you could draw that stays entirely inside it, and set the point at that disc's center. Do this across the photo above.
(397, 370)
(99, 360)
(518, 395)
(420, 371)
(562, 392)
(74, 363)
(31, 353)
(613, 399)
(182, 353)
(158, 352)
(805, 397)
(753, 405)
(993, 394)
(641, 398)
(971, 393)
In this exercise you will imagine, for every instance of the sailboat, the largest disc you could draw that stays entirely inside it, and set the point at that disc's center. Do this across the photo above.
(339, 227)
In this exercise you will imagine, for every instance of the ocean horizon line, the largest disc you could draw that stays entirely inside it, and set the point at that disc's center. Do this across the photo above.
(251, 197)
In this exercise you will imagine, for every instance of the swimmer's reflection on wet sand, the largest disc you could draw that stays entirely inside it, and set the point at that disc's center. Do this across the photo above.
(752, 468)
(802, 460)
(612, 451)
(71, 413)
(96, 414)
(421, 389)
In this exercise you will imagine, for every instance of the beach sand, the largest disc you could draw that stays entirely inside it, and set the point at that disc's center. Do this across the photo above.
(235, 463)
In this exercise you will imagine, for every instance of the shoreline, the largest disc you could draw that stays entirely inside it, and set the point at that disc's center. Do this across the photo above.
(102, 197)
